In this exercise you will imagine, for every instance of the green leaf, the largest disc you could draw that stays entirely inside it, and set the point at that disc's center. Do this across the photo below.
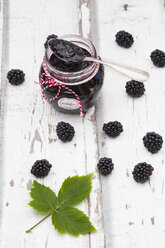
(44, 199)
(65, 218)
(71, 220)
(74, 190)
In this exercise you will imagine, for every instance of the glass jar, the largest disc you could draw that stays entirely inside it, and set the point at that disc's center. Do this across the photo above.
(85, 83)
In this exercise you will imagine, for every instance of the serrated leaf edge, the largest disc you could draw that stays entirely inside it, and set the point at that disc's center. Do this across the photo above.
(35, 183)
(75, 235)
(38, 211)
(56, 209)
(77, 176)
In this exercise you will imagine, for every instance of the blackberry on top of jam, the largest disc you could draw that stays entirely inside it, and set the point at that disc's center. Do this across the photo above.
(64, 61)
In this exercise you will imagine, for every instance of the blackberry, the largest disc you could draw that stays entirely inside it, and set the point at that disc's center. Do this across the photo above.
(124, 39)
(41, 168)
(65, 131)
(153, 142)
(113, 129)
(105, 166)
(135, 88)
(16, 76)
(158, 58)
(142, 172)
(51, 36)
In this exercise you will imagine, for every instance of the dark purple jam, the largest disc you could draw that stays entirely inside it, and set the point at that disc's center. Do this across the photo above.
(67, 51)
(68, 67)
(67, 56)
(88, 90)
(88, 93)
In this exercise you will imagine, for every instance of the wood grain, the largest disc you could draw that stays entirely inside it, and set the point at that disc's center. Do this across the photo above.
(1, 40)
(92, 155)
(133, 213)
(30, 128)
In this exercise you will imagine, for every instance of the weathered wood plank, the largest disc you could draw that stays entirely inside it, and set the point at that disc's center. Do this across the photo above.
(91, 150)
(30, 125)
(134, 213)
(1, 35)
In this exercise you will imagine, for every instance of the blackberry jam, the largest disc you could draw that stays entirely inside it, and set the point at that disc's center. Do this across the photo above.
(84, 78)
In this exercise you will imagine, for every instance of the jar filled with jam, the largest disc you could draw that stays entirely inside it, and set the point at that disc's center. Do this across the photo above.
(72, 82)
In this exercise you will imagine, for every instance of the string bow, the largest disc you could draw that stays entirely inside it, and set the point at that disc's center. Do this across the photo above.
(50, 83)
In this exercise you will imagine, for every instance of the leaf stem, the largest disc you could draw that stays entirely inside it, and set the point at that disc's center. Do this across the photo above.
(30, 229)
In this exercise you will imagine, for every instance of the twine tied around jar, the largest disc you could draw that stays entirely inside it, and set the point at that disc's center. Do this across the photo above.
(51, 82)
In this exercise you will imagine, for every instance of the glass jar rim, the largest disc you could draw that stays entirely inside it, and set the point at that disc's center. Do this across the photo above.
(90, 70)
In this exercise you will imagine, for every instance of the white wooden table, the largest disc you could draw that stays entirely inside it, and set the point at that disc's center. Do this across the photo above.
(125, 213)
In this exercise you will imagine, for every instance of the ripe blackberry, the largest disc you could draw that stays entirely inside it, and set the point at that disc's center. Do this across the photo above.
(113, 129)
(135, 88)
(16, 76)
(158, 58)
(51, 36)
(124, 39)
(41, 168)
(65, 131)
(142, 172)
(105, 166)
(153, 142)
